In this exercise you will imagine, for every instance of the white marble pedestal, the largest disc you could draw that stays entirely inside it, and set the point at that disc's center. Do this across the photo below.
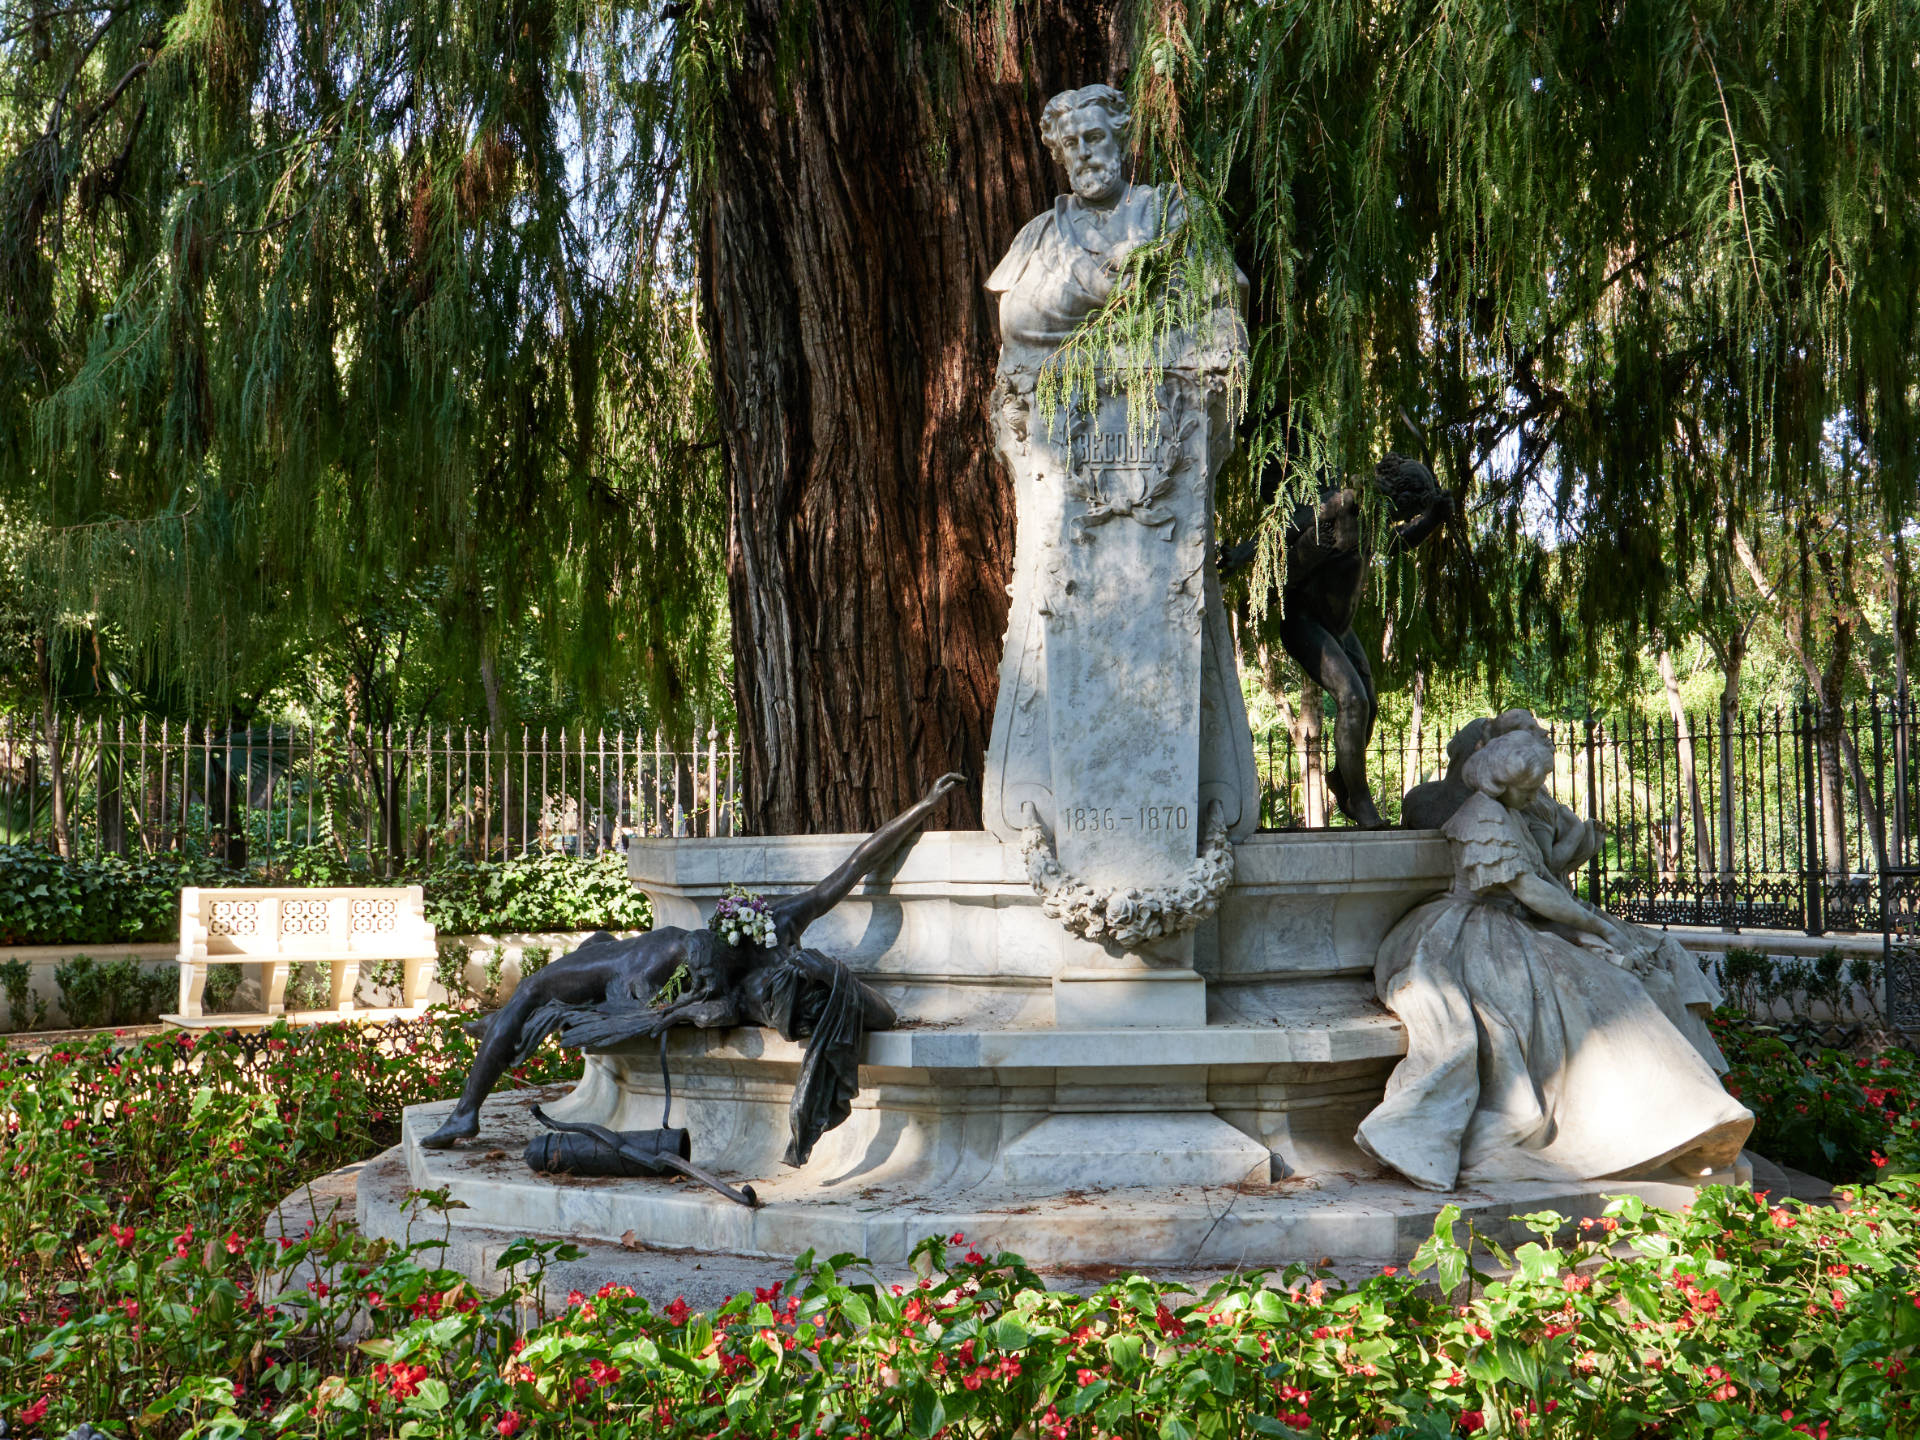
(1070, 1144)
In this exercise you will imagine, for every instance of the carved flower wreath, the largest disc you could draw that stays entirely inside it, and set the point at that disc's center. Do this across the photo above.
(1127, 916)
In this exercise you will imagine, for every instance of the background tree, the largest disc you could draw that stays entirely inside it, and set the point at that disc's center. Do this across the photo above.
(302, 309)
(868, 166)
(306, 308)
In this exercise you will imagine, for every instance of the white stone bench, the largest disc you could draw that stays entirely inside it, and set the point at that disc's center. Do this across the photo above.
(281, 928)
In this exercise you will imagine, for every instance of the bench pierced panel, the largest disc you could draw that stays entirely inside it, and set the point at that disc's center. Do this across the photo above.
(373, 917)
(234, 917)
(303, 917)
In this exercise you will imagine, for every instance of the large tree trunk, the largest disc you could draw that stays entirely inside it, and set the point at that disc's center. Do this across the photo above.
(850, 223)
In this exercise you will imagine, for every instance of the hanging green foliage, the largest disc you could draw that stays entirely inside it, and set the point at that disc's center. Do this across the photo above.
(308, 305)
(1621, 272)
(305, 306)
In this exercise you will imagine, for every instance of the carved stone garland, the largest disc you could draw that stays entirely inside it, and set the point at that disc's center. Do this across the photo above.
(1128, 917)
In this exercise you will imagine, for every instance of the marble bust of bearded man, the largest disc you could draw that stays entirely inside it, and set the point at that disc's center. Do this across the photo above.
(1066, 262)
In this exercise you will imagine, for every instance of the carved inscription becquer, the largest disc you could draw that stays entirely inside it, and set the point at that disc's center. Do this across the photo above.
(1113, 447)
(1122, 670)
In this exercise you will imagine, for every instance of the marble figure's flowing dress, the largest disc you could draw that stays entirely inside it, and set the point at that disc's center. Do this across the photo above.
(1532, 1057)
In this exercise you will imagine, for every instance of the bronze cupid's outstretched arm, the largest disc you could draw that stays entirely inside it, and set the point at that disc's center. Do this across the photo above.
(792, 915)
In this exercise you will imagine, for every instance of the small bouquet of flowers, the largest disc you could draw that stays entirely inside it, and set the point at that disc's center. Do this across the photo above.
(743, 918)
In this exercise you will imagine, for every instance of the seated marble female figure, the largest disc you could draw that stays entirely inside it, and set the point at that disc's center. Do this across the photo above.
(602, 994)
(1686, 994)
(1534, 1051)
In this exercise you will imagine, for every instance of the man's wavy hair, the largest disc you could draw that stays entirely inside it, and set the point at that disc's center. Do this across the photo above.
(1119, 115)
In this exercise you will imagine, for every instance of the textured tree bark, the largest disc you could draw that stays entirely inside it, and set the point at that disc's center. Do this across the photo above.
(851, 219)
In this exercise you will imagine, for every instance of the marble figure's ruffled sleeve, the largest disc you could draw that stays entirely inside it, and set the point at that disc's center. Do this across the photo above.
(1486, 853)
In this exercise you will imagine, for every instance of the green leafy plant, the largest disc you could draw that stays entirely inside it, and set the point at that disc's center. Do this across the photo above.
(140, 1285)
(113, 992)
(383, 979)
(26, 1010)
(1841, 983)
(46, 900)
(223, 984)
(1825, 1111)
(543, 891)
(450, 969)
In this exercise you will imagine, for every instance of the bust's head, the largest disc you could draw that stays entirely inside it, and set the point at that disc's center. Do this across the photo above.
(1087, 131)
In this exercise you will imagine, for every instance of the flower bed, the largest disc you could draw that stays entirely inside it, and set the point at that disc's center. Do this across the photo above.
(133, 1259)
(1825, 1111)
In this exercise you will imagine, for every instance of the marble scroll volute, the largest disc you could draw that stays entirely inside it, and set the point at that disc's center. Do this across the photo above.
(1120, 757)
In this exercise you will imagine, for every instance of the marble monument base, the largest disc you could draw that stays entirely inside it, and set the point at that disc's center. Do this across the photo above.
(1163, 1222)
(991, 1112)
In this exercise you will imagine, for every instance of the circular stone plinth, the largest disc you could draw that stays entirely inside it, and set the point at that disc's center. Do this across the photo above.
(1253, 1224)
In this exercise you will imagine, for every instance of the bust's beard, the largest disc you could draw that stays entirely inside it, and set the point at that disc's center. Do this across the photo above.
(1098, 181)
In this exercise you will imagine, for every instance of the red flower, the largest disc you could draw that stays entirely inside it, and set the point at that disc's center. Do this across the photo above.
(509, 1423)
(122, 1235)
(233, 1242)
(677, 1312)
(1169, 1323)
(1472, 1421)
(957, 1238)
(34, 1413)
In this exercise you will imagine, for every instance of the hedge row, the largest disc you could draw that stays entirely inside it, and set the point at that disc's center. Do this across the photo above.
(45, 900)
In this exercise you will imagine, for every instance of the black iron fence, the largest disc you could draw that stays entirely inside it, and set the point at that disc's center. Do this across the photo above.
(254, 793)
(1778, 819)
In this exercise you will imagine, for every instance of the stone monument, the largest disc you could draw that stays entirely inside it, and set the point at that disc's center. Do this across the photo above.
(1130, 1029)
(1120, 759)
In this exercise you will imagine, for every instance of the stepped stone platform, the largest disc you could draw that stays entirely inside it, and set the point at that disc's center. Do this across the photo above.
(1250, 1223)
(1223, 1145)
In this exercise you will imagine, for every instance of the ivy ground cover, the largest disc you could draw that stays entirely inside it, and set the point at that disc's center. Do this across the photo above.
(144, 1298)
